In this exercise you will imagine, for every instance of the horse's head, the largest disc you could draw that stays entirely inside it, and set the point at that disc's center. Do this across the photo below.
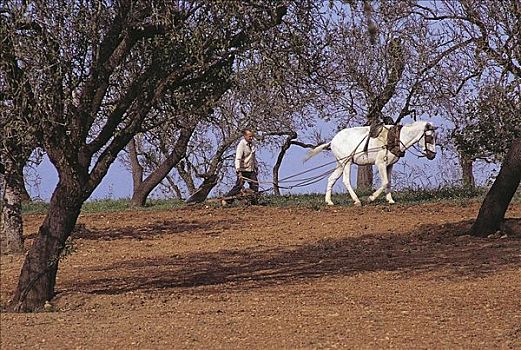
(428, 141)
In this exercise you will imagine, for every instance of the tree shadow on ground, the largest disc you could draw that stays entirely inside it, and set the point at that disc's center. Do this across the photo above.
(156, 229)
(440, 249)
(150, 231)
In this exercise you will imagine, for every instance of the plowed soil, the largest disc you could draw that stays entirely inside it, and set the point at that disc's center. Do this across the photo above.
(255, 277)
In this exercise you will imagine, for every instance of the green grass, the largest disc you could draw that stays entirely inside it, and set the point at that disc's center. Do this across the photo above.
(35, 207)
(406, 196)
(107, 205)
(312, 200)
(440, 194)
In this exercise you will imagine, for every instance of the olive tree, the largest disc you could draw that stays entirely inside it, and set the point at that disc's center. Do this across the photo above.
(96, 75)
(494, 29)
(492, 131)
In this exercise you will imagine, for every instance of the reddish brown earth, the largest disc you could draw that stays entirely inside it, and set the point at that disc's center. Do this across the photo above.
(278, 278)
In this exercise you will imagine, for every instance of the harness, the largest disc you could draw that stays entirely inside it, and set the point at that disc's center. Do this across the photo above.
(394, 145)
(390, 136)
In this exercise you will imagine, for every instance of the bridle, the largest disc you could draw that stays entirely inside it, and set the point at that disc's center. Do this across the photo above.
(429, 139)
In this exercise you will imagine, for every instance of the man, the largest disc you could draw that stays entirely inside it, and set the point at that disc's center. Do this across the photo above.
(245, 166)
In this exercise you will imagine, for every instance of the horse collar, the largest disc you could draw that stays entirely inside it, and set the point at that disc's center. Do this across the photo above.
(393, 141)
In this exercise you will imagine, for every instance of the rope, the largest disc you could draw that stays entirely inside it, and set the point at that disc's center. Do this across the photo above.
(307, 182)
(346, 158)
(301, 182)
(306, 171)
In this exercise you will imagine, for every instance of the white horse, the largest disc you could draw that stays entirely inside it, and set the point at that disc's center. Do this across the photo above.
(349, 146)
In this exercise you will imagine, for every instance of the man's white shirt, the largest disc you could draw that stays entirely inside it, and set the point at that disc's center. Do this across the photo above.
(245, 156)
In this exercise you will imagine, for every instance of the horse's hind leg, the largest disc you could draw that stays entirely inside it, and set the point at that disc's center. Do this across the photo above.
(331, 181)
(347, 183)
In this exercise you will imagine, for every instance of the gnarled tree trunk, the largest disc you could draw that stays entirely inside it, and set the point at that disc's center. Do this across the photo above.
(19, 174)
(364, 178)
(11, 230)
(187, 178)
(136, 168)
(24, 195)
(210, 177)
(204, 190)
(285, 146)
(38, 276)
(467, 174)
(495, 204)
(141, 192)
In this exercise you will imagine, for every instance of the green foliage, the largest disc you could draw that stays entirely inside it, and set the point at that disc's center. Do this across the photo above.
(490, 123)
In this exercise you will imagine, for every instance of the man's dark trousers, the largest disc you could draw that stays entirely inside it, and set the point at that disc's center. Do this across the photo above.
(243, 176)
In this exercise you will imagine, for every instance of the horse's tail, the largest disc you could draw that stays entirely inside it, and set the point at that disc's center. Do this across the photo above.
(316, 151)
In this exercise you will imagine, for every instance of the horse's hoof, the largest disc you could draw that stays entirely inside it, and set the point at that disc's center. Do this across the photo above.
(358, 204)
(391, 202)
(330, 203)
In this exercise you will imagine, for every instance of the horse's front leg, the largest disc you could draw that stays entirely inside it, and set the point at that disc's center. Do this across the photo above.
(382, 170)
(388, 195)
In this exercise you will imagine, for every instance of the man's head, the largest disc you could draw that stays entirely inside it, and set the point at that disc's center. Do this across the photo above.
(248, 135)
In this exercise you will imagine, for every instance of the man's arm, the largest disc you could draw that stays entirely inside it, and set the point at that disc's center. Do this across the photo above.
(238, 156)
